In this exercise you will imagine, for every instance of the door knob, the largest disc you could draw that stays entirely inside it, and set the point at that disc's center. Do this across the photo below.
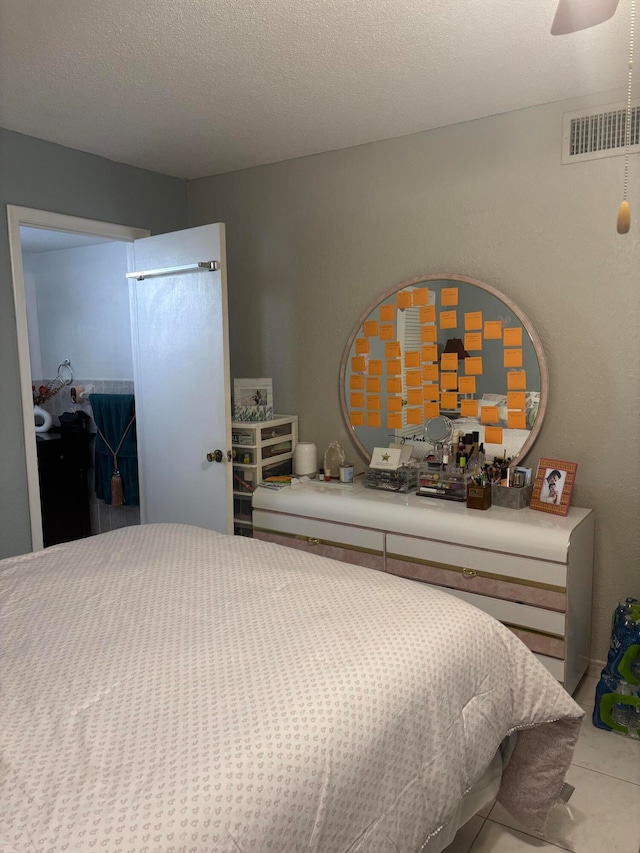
(216, 456)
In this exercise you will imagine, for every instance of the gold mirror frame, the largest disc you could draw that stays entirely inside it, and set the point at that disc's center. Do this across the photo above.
(452, 281)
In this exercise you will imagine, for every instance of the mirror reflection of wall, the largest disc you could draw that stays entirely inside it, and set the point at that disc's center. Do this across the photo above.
(444, 345)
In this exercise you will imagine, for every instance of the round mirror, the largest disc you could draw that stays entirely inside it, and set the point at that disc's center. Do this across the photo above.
(444, 346)
(438, 430)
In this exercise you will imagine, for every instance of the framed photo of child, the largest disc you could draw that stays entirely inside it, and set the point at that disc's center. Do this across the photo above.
(553, 486)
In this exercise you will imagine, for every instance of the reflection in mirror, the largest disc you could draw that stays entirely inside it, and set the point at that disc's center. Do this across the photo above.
(450, 346)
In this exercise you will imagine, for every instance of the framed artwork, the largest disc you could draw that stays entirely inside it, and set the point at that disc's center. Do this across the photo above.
(553, 486)
(252, 399)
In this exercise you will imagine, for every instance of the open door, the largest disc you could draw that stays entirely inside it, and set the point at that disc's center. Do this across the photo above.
(178, 295)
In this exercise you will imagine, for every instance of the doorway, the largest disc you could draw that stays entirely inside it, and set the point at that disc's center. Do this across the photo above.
(56, 226)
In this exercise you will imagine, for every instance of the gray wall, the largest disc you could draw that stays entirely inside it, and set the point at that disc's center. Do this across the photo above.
(311, 242)
(41, 175)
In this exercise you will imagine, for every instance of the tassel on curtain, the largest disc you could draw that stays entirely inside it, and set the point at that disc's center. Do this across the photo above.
(117, 493)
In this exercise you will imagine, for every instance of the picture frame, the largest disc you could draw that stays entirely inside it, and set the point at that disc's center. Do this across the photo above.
(553, 486)
(252, 400)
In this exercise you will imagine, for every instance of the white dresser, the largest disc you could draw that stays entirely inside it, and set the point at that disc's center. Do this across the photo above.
(531, 570)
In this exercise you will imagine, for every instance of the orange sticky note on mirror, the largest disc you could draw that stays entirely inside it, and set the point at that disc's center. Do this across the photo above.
(387, 332)
(394, 367)
(431, 392)
(472, 320)
(431, 410)
(512, 337)
(449, 400)
(373, 402)
(449, 361)
(429, 334)
(358, 364)
(392, 350)
(516, 380)
(374, 419)
(448, 319)
(489, 415)
(516, 400)
(394, 386)
(449, 381)
(513, 358)
(362, 346)
(394, 404)
(468, 408)
(375, 367)
(404, 299)
(413, 378)
(449, 296)
(428, 314)
(467, 384)
(415, 397)
(429, 372)
(473, 365)
(493, 435)
(414, 416)
(370, 328)
(421, 296)
(430, 352)
(356, 382)
(356, 401)
(473, 341)
(394, 421)
(387, 312)
(373, 384)
(412, 359)
(492, 330)
(516, 420)
(357, 419)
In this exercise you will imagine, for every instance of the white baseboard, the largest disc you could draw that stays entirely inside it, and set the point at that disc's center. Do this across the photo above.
(595, 668)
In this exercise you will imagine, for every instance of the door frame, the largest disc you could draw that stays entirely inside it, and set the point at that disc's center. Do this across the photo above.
(48, 221)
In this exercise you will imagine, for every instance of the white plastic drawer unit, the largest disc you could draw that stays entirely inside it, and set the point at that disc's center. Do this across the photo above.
(530, 570)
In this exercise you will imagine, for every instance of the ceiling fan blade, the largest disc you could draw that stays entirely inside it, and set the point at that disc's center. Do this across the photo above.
(574, 15)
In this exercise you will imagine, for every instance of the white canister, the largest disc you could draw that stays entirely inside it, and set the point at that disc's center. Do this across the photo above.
(305, 459)
(346, 472)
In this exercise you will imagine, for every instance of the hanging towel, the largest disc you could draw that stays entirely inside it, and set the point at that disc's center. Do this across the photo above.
(113, 413)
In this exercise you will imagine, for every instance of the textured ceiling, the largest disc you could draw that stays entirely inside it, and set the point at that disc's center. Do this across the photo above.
(198, 87)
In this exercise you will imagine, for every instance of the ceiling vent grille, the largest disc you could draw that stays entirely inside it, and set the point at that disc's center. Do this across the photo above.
(599, 132)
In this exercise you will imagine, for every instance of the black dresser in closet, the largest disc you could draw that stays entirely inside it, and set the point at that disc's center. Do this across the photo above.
(63, 467)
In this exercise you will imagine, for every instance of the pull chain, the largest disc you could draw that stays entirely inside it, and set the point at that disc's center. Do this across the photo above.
(624, 213)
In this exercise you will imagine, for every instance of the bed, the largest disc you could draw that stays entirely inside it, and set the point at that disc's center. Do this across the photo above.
(168, 688)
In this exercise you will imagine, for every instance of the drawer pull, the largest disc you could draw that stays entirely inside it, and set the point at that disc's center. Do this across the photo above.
(469, 573)
(312, 540)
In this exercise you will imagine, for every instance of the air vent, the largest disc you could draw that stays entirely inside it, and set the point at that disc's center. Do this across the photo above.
(599, 132)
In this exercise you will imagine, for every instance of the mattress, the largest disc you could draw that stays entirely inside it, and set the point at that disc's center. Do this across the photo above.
(168, 688)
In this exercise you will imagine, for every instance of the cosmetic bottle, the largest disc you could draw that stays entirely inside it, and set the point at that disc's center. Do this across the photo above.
(482, 459)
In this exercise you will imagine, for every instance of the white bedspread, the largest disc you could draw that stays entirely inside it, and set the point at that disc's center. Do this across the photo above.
(166, 688)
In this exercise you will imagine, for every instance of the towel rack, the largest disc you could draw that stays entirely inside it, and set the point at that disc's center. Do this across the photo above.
(201, 266)
(66, 363)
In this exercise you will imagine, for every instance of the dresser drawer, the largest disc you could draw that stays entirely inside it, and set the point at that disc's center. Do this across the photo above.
(513, 614)
(315, 546)
(541, 643)
(326, 532)
(472, 580)
(506, 567)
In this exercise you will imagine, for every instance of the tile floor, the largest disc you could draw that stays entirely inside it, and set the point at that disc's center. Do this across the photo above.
(603, 815)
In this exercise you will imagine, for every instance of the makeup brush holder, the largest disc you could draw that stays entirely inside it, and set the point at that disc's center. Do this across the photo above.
(512, 497)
